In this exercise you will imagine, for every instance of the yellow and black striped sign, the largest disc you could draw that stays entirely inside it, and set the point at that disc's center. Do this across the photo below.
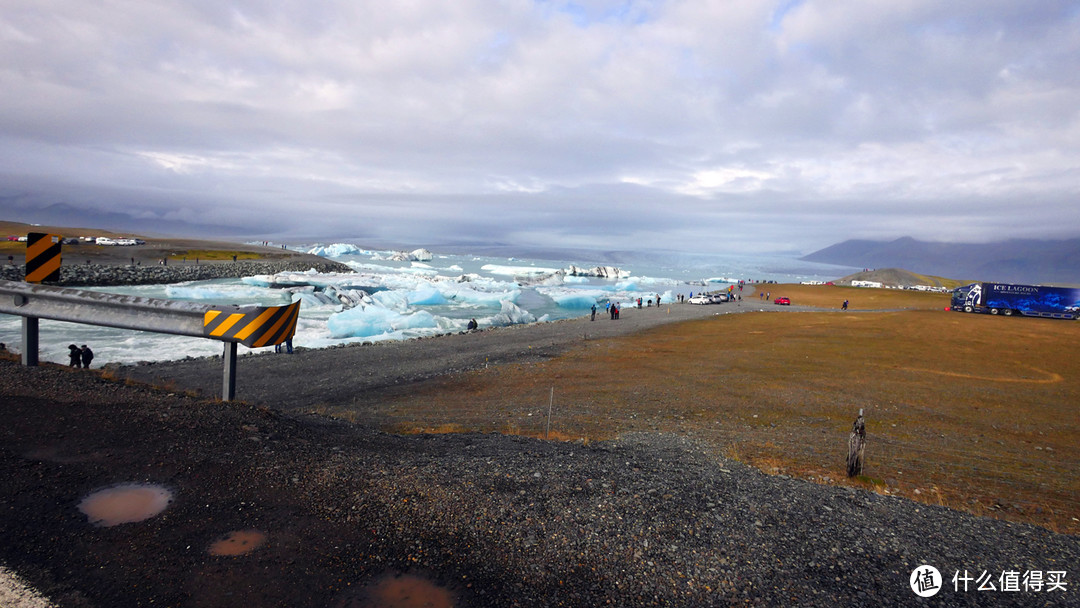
(42, 257)
(252, 326)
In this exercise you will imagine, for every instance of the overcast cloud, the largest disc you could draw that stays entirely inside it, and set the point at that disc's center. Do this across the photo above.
(781, 125)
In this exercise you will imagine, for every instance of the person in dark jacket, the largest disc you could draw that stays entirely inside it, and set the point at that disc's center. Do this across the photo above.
(75, 356)
(87, 356)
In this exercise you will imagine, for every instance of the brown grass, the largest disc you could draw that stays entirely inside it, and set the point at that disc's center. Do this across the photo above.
(859, 298)
(975, 412)
(213, 255)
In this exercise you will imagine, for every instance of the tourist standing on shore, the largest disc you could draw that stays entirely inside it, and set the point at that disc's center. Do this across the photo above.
(87, 356)
(74, 356)
(593, 313)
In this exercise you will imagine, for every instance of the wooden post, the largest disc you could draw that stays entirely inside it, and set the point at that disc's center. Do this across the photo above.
(550, 402)
(856, 445)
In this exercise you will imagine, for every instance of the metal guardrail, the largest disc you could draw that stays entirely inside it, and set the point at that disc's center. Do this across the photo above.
(254, 325)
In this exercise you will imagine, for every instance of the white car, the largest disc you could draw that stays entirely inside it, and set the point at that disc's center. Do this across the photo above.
(719, 298)
(700, 299)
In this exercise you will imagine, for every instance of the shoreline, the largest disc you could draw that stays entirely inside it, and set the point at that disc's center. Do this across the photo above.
(100, 275)
(393, 363)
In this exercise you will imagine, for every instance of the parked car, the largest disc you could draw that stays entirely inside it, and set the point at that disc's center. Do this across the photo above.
(719, 298)
(700, 299)
(782, 300)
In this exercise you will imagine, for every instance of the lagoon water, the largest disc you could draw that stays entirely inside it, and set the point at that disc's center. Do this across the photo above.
(405, 299)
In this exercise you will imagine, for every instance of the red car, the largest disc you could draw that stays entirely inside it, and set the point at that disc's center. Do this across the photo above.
(782, 300)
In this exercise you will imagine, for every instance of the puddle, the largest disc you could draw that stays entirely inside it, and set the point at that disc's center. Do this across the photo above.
(125, 504)
(400, 591)
(239, 542)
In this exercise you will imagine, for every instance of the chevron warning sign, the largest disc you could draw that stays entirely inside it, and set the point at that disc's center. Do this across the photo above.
(42, 257)
(252, 326)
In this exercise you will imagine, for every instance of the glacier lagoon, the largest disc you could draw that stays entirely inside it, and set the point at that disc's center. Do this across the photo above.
(397, 295)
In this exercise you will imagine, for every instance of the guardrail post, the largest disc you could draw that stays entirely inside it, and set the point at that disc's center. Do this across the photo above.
(228, 390)
(30, 341)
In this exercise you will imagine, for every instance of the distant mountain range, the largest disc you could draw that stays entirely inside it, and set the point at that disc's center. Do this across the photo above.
(1013, 261)
(63, 214)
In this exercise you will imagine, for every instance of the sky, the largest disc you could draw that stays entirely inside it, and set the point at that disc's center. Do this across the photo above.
(775, 126)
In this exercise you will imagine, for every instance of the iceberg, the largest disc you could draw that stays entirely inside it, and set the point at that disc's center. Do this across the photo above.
(511, 314)
(573, 298)
(372, 321)
(603, 272)
(336, 250)
(187, 291)
(416, 255)
(425, 296)
(518, 271)
(391, 300)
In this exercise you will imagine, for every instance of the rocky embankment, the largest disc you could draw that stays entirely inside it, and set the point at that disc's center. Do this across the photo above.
(102, 274)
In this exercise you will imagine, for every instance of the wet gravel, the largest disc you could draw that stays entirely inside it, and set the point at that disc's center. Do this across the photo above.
(647, 520)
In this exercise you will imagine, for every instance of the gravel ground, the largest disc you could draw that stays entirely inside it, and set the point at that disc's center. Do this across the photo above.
(342, 375)
(350, 515)
(487, 520)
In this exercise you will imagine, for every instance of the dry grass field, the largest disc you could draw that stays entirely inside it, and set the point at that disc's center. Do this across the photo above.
(973, 412)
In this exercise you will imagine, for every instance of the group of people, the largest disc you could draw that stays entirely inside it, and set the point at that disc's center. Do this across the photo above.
(80, 357)
(284, 347)
(613, 308)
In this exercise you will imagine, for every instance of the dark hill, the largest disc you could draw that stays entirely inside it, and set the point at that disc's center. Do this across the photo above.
(1014, 261)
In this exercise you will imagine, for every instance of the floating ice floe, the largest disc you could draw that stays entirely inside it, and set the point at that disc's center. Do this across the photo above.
(368, 321)
(188, 291)
(721, 280)
(518, 271)
(573, 298)
(336, 250)
(417, 255)
(604, 272)
(511, 314)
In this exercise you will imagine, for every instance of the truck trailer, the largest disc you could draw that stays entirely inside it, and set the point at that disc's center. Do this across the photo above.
(1007, 299)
